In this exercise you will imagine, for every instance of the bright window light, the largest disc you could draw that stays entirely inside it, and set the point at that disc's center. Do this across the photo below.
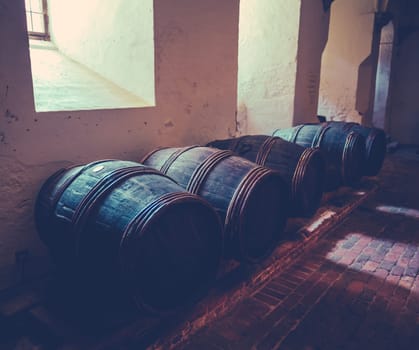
(101, 59)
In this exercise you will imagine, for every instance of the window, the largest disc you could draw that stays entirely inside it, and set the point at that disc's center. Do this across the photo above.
(37, 19)
(105, 63)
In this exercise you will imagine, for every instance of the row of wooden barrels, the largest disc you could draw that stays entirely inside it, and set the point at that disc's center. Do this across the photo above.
(160, 228)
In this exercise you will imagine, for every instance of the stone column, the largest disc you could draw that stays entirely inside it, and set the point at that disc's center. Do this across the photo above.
(349, 62)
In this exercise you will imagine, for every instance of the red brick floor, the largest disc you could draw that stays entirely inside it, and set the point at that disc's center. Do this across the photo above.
(357, 289)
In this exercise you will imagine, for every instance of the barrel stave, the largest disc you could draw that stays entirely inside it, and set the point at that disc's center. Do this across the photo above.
(284, 158)
(186, 164)
(223, 182)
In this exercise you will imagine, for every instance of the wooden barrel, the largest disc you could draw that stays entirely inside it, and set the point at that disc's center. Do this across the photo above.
(375, 145)
(120, 221)
(250, 199)
(303, 169)
(344, 152)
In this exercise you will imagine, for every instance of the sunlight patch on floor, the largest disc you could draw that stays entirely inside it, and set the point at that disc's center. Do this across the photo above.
(390, 209)
(61, 84)
(386, 259)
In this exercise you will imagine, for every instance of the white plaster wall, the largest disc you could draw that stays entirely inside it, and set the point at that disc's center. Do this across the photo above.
(196, 94)
(350, 44)
(312, 39)
(114, 38)
(404, 119)
(268, 41)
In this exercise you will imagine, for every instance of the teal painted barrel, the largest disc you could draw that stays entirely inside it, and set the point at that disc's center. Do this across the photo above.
(303, 169)
(375, 145)
(344, 151)
(121, 222)
(251, 200)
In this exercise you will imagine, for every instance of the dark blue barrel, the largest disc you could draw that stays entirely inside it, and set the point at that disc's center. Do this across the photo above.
(303, 169)
(119, 221)
(344, 151)
(250, 199)
(375, 145)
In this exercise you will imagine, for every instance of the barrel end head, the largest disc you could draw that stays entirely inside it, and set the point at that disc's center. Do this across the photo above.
(174, 257)
(376, 144)
(262, 217)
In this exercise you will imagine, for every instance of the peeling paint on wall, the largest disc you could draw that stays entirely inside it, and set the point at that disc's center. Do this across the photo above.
(10, 117)
(20, 184)
(312, 88)
(169, 124)
(241, 118)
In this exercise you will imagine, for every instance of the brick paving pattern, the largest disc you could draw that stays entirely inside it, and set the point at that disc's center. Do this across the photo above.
(357, 289)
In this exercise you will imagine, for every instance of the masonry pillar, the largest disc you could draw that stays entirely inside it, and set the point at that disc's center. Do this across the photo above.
(280, 47)
(349, 62)
(312, 39)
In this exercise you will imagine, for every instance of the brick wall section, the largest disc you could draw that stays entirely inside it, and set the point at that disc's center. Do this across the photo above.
(357, 289)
